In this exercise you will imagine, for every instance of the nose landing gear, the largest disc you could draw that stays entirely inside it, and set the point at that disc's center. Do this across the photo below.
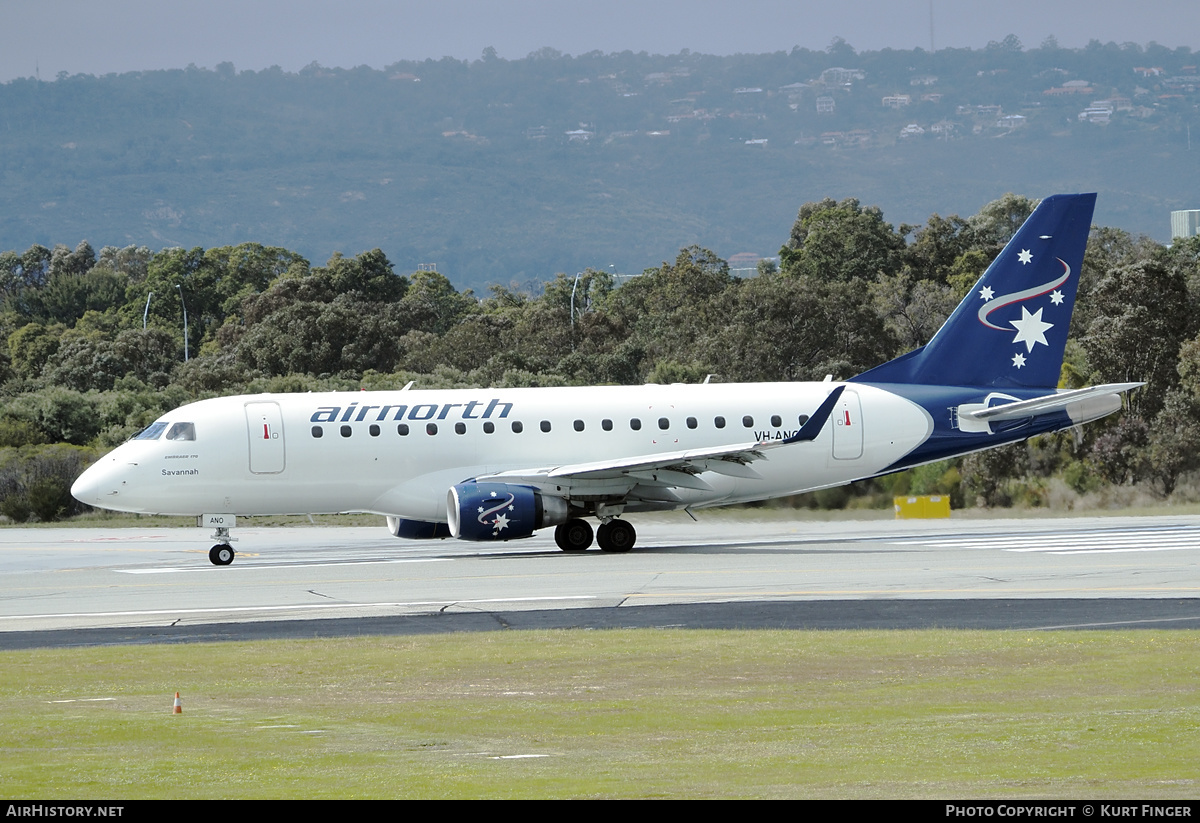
(222, 553)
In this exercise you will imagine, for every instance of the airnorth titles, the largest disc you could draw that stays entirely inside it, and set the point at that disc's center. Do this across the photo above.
(420, 411)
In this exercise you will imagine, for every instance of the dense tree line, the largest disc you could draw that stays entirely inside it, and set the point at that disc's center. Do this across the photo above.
(92, 343)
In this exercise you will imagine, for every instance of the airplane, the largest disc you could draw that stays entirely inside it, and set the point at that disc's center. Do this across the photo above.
(501, 464)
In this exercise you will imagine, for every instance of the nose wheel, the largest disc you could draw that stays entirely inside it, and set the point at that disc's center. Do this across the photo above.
(222, 553)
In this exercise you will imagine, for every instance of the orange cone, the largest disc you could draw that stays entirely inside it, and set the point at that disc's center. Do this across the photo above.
(178, 705)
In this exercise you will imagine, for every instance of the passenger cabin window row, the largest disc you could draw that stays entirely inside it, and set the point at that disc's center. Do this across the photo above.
(489, 427)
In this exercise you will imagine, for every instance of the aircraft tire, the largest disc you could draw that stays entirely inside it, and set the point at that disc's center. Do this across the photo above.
(616, 536)
(573, 536)
(221, 554)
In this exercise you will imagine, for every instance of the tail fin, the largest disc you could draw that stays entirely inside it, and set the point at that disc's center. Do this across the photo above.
(1011, 329)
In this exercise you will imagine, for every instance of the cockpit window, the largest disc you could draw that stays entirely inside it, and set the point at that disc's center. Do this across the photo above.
(182, 431)
(151, 432)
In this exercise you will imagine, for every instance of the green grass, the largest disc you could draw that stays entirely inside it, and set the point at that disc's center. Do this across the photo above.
(628, 713)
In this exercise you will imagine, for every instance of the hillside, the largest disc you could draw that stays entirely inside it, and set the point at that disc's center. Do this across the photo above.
(509, 171)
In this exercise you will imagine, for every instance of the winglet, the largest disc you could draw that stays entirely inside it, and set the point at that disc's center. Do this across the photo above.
(814, 424)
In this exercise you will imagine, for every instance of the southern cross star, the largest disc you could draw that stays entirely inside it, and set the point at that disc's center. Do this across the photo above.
(1031, 329)
(1024, 256)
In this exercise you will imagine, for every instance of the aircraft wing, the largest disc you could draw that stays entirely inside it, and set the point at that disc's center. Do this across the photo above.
(662, 470)
(1041, 405)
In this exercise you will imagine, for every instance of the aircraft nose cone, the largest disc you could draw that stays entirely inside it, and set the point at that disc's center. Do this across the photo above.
(100, 485)
(86, 488)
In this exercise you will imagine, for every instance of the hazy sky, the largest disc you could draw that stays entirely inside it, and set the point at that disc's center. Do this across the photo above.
(102, 36)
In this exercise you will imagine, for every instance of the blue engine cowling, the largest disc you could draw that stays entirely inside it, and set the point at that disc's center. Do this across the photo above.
(500, 511)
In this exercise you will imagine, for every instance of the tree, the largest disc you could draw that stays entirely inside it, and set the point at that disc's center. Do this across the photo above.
(937, 246)
(793, 328)
(998, 221)
(1139, 319)
(1173, 439)
(841, 241)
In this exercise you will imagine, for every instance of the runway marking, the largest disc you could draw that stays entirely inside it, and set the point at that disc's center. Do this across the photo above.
(1100, 541)
(250, 609)
(283, 565)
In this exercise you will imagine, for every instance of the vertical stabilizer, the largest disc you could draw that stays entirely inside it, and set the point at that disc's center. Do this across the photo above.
(1011, 329)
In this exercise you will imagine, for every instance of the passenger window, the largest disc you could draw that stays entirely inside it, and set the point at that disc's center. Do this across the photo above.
(664, 423)
(182, 431)
(776, 420)
(402, 430)
(578, 425)
(719, 422)
(748, 421)
(151, 432)
(374, 430)
(803, 419)
(346, 431)
(317, 432)
(489, 427)
(431, 428)
(691, 423)
(545, 425)
(606, 425)
(460, 428)
(635, 424)
(517, 427)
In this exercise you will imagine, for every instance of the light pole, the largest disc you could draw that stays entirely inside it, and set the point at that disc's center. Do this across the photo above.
(185, 328)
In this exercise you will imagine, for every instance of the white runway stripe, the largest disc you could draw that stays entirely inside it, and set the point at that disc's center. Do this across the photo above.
(1107, 541)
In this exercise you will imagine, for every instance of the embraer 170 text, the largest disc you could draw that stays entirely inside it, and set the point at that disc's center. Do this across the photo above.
(498, 464)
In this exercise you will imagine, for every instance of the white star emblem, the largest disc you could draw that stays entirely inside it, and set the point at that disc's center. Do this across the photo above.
(1024, 256)
(1056, 297)
(986, 293)
(500, 522)
(1018, 360)
(1031, 329)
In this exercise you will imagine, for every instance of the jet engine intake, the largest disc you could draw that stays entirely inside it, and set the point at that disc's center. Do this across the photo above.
(501, 511)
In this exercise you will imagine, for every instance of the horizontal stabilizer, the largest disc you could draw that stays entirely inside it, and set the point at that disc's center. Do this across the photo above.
(1041, 405)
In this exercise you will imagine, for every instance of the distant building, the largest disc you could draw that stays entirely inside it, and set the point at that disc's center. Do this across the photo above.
(896, 101)
(838, 76)
(824, 105)
(1185, 223)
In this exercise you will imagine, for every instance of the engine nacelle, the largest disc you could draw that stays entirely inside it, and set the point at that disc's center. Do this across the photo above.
(416, 529)
(500, 511)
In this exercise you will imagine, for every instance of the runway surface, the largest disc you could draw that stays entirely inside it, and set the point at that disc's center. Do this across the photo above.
(95, 585)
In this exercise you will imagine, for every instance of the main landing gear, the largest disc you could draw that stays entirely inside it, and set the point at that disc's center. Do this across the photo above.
(612, 536)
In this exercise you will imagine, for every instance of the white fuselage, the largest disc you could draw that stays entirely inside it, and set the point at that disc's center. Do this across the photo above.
(379, 451)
